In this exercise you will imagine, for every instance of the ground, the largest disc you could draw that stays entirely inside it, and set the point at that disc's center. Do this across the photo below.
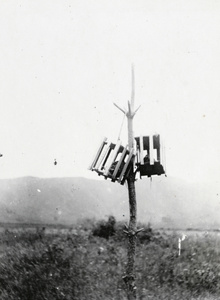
(76, 263)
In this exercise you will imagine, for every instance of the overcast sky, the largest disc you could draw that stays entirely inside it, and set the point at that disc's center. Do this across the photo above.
(64, 62)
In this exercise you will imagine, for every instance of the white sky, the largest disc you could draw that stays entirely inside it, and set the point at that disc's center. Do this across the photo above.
(64, 62)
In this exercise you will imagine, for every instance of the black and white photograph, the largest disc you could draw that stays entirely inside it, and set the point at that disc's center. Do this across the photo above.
(109, 150)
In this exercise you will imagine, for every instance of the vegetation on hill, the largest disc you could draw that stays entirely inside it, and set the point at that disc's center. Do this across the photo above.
(81, 263)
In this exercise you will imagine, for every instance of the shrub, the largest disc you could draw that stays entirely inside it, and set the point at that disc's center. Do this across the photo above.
(146, 235)
(105, 229)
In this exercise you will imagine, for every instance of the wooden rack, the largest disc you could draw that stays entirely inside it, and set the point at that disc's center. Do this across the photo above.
(149, 159)
(113, 161)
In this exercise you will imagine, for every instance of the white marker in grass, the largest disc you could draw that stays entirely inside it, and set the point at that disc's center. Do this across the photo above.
(179, 242)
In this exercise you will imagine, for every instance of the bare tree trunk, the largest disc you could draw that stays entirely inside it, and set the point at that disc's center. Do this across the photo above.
(130, 272)
(129, 278)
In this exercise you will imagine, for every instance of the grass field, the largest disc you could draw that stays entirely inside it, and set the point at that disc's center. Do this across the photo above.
(86, 263)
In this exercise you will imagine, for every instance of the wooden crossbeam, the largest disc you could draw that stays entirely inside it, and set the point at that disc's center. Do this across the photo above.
(112, 157)
(141, 150)
(151, 148)
(156, 139)
(98, 154)
(119, 163)
(126, 165)
(104, 154)
(107, 157)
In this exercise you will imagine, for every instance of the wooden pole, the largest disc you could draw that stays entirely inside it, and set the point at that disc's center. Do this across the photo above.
(131, 231)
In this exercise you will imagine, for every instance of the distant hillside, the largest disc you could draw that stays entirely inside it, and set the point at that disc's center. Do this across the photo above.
(164, 202)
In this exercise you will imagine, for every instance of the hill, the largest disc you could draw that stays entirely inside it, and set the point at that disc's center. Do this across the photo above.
(164, 202)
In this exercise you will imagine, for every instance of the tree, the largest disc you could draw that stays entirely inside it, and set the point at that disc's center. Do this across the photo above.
(131, 231)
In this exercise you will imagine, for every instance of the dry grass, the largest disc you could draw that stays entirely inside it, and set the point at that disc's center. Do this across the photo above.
(75, 264)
